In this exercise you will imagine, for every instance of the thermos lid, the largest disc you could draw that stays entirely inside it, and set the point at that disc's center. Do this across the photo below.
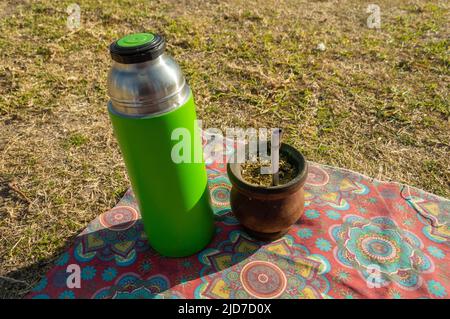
(137, 47)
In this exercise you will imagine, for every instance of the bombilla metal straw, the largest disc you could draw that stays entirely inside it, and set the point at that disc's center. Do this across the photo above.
(275, 155)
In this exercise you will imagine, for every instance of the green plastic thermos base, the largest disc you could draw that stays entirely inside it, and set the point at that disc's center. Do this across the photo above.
(173, 198)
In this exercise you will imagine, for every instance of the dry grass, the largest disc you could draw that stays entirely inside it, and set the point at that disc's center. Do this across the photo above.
(375, 101)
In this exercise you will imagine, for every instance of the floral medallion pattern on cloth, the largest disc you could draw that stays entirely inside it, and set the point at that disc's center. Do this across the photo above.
(358, 238)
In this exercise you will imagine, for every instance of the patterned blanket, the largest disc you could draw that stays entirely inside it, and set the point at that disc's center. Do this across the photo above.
(358, 238)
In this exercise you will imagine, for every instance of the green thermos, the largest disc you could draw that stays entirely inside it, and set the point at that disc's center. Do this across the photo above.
(149, 102)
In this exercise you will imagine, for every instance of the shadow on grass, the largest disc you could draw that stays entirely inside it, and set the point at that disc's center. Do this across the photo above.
(19, 282)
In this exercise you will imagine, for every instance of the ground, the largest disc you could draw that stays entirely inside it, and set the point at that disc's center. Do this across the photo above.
(373, 101)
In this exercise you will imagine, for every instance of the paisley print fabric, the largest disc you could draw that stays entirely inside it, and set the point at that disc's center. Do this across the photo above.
(358, 238)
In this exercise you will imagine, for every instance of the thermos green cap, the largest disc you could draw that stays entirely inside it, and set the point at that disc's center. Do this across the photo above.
(137, 48)
(136, 39)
